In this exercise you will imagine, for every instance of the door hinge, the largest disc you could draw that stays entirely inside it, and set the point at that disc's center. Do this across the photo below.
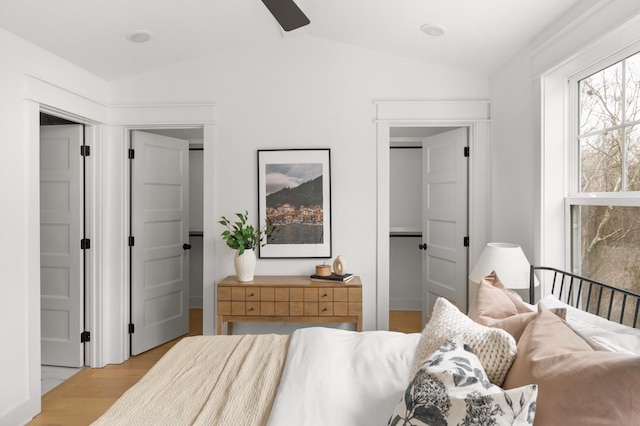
(85, 337)
(466, 241)
(85, 150)
(466, 151)
(131, 154)
(85, 244)
(131, 328)
(131, 241)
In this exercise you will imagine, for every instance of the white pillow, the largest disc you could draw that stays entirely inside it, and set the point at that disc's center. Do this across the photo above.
(495, 348)
(452, 388)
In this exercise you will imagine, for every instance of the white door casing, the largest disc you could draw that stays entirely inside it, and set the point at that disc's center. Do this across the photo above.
(472, 114)
(444, 219)
(61, 268)
(160, 227)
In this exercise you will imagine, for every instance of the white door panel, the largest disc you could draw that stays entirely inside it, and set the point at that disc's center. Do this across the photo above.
(444, 225)
(61, 283)
(160, 226)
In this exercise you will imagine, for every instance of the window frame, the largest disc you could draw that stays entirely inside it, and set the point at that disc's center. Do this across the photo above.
(575, 197)
(591, 40)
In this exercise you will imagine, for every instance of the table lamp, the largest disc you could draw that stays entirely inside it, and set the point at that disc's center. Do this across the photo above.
(509, 263)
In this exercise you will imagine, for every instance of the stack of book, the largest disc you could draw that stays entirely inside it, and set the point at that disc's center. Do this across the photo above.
(333, 277)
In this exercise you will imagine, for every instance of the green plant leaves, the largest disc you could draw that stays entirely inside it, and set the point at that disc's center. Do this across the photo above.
(242, 236)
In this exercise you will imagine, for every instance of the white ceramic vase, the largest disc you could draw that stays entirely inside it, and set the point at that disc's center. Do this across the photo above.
(245, 265)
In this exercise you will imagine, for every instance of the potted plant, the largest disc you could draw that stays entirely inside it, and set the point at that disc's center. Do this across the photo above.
(244, 238)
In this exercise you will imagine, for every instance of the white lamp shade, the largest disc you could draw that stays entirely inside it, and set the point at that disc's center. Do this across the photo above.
(509, 263)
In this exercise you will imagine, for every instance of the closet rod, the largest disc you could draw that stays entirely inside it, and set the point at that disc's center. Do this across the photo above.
(196, 234)
(412, 235)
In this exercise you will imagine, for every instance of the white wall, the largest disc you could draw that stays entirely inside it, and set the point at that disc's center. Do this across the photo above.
(512, 155)
(19, 218)
(299, 93)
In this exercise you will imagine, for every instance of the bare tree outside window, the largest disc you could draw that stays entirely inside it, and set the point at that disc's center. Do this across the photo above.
(609, 162)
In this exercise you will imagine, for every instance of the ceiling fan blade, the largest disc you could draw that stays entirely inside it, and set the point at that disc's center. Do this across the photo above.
(287, 13)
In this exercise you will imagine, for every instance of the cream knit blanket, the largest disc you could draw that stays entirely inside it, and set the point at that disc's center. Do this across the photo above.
(206, 380)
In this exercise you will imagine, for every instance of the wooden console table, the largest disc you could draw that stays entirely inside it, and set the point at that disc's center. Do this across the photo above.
(288, 299)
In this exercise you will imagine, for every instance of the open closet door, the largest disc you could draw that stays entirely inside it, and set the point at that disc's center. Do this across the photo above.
(444, 219)
(61, 270)
(160, 231)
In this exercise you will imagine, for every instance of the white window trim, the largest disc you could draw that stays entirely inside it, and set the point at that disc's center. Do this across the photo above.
(624, 199)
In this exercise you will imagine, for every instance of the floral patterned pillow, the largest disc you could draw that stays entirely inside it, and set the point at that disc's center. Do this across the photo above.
(452, 388)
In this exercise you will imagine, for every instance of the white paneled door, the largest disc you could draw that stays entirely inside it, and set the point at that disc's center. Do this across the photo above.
(61, 266)
(444, 219)
(160, 231)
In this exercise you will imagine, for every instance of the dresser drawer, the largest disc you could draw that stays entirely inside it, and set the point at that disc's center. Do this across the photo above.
(325, 309)
(252, 294)
(325, 295)
(252, 308)
(288, 299)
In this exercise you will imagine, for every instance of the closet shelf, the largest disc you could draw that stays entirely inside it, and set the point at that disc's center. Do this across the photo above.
(400, 231)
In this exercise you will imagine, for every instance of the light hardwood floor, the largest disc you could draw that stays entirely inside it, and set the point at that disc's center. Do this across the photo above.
(88, 394)
(406, 321)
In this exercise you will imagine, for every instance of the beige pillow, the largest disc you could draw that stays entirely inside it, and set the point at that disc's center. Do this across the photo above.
(495, 348)
(577, 385)
(495, 306)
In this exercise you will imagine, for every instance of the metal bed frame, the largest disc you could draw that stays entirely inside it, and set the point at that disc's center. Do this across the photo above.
(589, 295)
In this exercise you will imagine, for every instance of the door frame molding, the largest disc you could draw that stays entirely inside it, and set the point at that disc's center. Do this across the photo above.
(155, 117)
(93, 223)
(473, 114)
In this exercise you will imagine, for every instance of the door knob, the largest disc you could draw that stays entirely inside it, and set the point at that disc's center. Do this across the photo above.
(422, 246)
(186, 246)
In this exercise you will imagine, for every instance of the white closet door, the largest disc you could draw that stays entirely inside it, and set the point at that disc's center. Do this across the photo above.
(61, 283)
(160, 218)
(444, 222)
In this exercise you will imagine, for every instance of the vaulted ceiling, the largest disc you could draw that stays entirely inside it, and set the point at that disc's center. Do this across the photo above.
(480, 36)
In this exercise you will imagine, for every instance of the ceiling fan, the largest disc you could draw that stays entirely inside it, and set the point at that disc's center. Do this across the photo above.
(287, 13)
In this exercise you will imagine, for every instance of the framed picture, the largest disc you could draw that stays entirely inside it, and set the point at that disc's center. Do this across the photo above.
(294, 193)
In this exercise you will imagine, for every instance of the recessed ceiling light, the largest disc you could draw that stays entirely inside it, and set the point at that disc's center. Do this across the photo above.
(139, 36)
(434, 30)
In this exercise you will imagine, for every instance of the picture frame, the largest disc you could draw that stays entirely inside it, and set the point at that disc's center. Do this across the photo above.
(294, 194)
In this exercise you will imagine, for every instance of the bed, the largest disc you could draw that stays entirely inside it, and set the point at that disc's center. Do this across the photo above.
(557, 362)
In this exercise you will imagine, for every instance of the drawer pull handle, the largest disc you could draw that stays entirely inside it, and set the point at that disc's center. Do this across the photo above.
(251, 295)
(324, 295)
(250, 309)
(324, 310)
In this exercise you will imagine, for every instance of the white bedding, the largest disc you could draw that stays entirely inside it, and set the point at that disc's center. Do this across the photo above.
(608, 334)
(339, 377)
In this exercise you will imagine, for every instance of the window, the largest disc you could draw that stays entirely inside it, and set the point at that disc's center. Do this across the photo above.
(604, 194)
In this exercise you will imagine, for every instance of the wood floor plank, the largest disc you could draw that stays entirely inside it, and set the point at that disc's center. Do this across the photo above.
(406, 321)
